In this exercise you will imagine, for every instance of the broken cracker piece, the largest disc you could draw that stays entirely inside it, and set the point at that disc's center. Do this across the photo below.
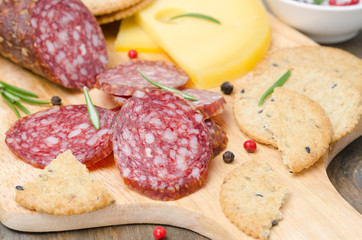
(251, 197)
(300, 126)
(64, 187)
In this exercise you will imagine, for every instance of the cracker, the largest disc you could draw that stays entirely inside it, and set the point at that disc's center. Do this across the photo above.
(339, 98)
(123, 13)
(335, 61)
(108, 6)
(301, 128)
(64, 187)
(251, 197)
(248, 114)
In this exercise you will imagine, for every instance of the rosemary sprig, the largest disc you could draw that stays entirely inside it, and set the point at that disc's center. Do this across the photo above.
(92, 111)
(170, 89)
(22, 108)
(13, 95)
(278, 83)
(27, 99)
(197, 15)
(11, 105)
(19, 90)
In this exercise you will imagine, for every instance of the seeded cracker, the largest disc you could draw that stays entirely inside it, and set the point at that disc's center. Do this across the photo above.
(64, 187)
(251, 197)
(300, 126)
(98, 7)
(335, 61)
(339, 98)
(122, 13)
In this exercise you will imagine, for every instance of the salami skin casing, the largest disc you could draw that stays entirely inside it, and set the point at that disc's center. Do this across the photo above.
(59, 40)
(162, 145)
(41, 137)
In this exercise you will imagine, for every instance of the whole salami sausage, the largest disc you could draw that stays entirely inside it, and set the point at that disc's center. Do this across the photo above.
(59, 40)
(161, 145)
(124, 79)
(40, 137)
(209, 103)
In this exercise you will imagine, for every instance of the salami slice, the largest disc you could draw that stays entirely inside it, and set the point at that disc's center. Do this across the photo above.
(124, 79)
(161, 145)
(59, 40)
(120, 100)
(218, 137)
(209, 103)
(40, 137)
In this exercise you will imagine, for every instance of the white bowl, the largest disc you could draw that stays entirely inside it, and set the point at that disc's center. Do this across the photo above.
(322, 23)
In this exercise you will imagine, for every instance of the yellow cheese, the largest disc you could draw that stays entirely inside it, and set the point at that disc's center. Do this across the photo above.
(132, 36)
(210, 53)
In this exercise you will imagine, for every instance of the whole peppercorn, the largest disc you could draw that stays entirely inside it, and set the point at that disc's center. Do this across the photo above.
(56, 101)
(227, 88)
(228, 157)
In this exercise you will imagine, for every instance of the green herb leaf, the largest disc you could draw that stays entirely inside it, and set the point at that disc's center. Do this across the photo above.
(318, 2)
(22, 108)
(25, 98)
(278, 83)
(170, 89)
(11, 105)
(92, 111)
(197, 15)
(19, 90)
(10, 96)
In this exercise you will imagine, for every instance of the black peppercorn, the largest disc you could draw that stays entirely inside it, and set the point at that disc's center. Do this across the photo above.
(307, 149)
(227, 88)
(56, 101)
(228, 157)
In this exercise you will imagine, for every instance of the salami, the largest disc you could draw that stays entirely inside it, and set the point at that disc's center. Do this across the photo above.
(124, 79)
(218, 137)
(120, 100)
(209, 103)
(40, 137)
(59, 40)
(161, 145)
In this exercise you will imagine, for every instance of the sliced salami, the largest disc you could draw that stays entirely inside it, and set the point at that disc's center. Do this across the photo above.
(124, 79)
(120, 100)
(218, 137)
(59, 40)
(40, 137)
(161, 145)
(209, 103)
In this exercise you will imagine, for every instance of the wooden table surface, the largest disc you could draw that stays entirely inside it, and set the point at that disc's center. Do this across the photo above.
(344, 171)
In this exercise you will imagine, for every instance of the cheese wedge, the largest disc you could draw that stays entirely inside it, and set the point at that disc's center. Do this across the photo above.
(210, 53)
(131, 36)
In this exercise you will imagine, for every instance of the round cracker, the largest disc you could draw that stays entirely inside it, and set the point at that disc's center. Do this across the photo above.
(300, 126)
(108, 6)
(117, 15)
(332, 60)
(339, 98)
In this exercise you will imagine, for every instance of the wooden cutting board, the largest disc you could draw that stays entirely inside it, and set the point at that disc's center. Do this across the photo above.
(314, 209)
